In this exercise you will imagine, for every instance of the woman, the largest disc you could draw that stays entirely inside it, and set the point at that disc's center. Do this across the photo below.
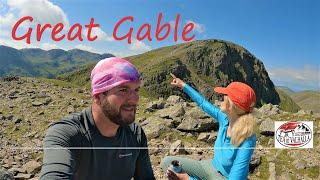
(235, 141)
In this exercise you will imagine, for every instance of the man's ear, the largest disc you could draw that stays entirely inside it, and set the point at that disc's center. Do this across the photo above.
(97, 99)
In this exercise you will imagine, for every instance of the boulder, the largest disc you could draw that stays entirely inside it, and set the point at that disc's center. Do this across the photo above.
(255, 160)
(37, 103)
(212, 137)
(154, 126)
(174, 100)
(6, 175)
(198, 125)
(23, 176)
(203, 137)
(269, 109)
(154, 105)
(32, 167)
(267, 127)
(177, 148)
(171, 112)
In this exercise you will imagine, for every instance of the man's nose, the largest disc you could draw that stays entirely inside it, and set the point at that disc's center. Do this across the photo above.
(133, 96)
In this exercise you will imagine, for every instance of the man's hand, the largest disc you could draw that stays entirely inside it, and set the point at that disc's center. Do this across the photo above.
(176, 81)
(177, 176)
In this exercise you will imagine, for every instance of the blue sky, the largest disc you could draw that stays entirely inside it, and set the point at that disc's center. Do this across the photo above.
(284, 35)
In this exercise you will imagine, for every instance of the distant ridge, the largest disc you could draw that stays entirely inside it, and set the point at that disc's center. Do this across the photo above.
(41, 63)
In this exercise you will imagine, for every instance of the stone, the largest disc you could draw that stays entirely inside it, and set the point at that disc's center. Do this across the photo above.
(154, 126)
(154, 105)
(17, 120)
(177, 148)
(80, 90)
(6, 175)
(32, 167)
(212, 137)
(22, 176)
(37, 103)
(269, 109)
(203, 137)
(47, 100)
(10, 117)
(272, 171)
(171, 112)
(41, 113)
(299, 164)
(197, 113)
(16, 170)
(198, 125)
(267, 127)
(70, 109)
(2, 117)
(255, 160)
(174, 99)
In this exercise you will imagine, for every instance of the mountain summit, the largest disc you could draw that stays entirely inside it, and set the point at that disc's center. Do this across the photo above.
(204, 64)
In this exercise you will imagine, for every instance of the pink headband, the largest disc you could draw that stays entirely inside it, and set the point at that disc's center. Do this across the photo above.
(111, 72)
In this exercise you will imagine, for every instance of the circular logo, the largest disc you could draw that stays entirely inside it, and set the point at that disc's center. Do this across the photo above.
(294, 134)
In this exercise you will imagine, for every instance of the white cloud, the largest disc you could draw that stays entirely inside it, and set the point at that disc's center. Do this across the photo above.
(200, 28)
(42, 11)
(87, 48)
(136, 47)
(16, 44)
(120, 54)
(101, 35)
(48, 46)
(7, 20)
(304, 78)
(139, 46)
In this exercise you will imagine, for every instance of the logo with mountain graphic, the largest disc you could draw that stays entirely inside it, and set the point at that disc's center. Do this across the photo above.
(294, 134)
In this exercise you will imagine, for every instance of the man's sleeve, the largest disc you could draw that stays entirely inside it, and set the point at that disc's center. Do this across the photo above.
(59, 161)
(143, 164)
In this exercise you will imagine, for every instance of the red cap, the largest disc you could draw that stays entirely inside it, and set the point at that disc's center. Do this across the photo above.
(240, 94)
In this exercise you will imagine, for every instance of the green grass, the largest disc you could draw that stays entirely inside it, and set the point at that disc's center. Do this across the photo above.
(286, 102)
(173, 136)
(283, 162)
(59, 83)
(263, 168)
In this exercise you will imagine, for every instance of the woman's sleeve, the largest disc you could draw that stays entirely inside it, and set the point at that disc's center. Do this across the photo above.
(205, 105)
(240, 167)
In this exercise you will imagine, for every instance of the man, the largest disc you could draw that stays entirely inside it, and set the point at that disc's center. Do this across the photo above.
(101, 142)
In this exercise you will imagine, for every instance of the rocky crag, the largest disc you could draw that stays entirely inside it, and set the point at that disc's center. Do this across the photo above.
(204, 64)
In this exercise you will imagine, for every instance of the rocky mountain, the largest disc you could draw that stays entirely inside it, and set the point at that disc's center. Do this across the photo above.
(204, 64)
(41, 63)
(173, 127)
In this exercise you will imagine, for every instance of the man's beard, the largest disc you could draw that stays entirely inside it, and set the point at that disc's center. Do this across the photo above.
(114, 114)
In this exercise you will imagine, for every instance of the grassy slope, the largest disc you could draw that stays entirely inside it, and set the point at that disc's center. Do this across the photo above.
(308, 100)
(287, 104)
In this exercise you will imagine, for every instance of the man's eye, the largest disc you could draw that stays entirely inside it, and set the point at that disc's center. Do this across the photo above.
(123, 90)
(137, 90)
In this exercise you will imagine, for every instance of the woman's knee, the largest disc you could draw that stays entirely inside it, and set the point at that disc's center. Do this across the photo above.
(166, 161)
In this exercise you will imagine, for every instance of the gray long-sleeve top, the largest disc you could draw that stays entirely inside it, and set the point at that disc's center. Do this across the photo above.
(75, 149)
